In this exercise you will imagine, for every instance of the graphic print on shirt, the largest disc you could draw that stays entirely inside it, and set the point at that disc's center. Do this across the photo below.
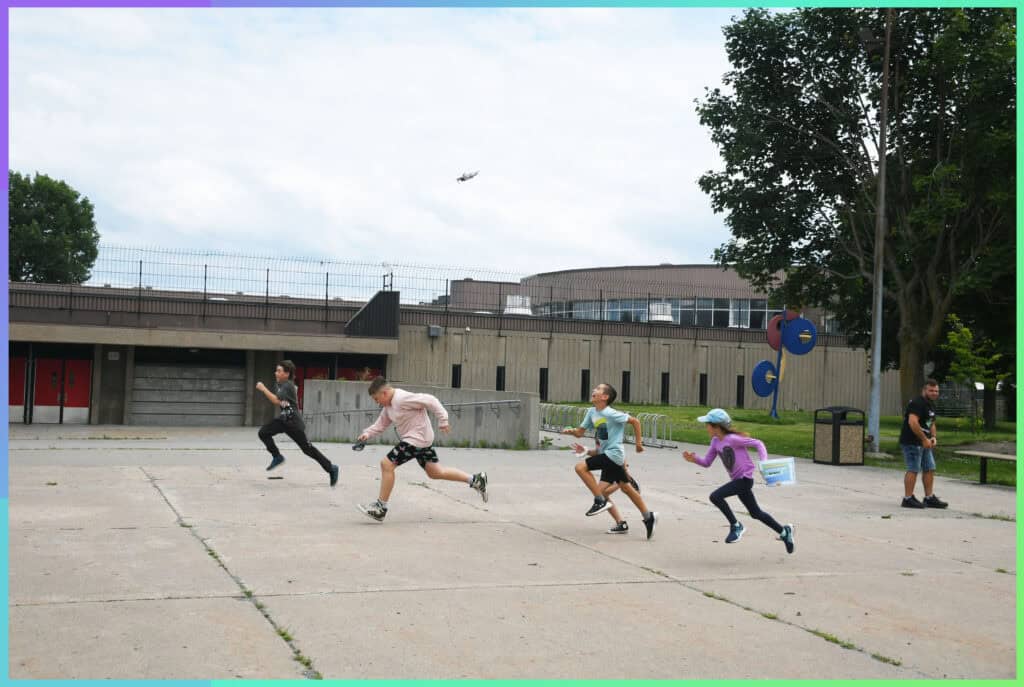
(728, 458)
(601, 430)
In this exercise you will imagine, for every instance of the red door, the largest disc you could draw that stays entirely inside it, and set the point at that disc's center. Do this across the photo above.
(60, 383)
(77, 388)
(16, 389)
(47, 394)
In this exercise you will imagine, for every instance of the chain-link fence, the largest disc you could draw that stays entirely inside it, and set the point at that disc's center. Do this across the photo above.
(692, 296)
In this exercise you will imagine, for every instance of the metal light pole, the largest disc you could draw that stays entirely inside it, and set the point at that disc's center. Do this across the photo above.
(874, 408)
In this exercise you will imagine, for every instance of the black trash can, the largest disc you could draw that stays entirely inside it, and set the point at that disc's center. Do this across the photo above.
(839, 436)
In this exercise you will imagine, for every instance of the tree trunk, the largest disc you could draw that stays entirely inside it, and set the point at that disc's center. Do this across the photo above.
(989, 406)
(912, 352)
(1010, 396)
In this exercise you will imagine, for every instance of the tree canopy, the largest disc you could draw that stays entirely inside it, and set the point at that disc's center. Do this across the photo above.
(797, 127)
(52, 233)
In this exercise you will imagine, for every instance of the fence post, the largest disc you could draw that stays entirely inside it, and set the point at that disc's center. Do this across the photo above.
(551, 310)
(501, 310)
(205, 298)
(138, 310)
(447, 298)
(327, 289)
(266, 300)
(649, 331)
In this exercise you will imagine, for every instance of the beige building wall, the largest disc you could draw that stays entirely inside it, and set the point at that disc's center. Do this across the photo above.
(827, 376)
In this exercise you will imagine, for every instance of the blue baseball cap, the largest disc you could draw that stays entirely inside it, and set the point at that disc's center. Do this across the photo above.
(716, 416)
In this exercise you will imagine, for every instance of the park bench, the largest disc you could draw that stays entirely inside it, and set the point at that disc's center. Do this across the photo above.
(986, 456)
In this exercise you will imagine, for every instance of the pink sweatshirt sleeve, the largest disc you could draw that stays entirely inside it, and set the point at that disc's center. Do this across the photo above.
(378, 427)
(429, 402)
(748, 442)
(710, 457)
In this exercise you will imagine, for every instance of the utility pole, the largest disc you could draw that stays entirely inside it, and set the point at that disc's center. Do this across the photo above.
(875, 403)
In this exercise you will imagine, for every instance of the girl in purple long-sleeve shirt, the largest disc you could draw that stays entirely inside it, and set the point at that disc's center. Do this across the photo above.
(733, 447)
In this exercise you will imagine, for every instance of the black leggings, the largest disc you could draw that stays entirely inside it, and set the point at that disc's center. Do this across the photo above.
(296, 430)
(744, 488)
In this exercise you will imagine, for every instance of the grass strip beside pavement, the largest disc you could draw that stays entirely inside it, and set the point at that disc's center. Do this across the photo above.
(793, 435)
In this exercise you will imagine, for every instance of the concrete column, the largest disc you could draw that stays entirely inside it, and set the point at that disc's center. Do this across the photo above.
(129, 382)
(97, 378)
(250, 384)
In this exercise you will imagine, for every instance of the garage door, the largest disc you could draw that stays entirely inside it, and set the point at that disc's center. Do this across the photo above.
(188, 395)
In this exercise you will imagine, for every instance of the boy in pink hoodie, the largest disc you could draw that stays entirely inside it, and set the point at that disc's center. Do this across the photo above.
(408, 412)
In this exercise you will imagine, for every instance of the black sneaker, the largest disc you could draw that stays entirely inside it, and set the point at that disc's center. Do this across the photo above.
(934, 501)
(600, 506)
(735, 533)
(335, 471)
(480, 484)
(633, 483)
(911, 502)
(359, 446)
(274, 462)
(619, 528)
(374, 510)
(649, 523)
(787, 537)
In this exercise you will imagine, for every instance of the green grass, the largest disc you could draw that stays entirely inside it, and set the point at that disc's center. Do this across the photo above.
(1004, 518)
(835, 640)
(793, 435)
(886, 659)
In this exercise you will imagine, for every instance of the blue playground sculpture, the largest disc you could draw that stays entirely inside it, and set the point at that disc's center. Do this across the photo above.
(792, 333)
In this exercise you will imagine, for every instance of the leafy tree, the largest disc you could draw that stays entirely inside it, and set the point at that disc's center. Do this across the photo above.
(797, 128)
(52, 232)
(972, 361)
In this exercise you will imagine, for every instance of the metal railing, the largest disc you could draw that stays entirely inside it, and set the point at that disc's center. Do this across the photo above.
(655, 429)
(515, 405)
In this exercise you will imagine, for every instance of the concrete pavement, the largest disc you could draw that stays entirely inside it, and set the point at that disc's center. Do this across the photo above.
(167, 553)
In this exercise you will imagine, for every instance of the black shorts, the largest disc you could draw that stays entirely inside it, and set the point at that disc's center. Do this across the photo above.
(405, 452)
(611, 472)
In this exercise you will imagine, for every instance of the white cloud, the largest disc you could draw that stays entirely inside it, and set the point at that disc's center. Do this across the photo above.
(342, 131)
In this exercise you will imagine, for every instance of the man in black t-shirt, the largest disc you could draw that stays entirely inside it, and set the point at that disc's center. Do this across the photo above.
(917, 439)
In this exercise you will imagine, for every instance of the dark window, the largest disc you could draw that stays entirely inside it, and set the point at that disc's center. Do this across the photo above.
(703, 390)
(456, 376)
(757, 320)
(499, 379)
(624, 392)
(704, 318)
(544, 384)
(740, 387)
(686, 318)
(721, 318)
(664, 387)
(584, 385)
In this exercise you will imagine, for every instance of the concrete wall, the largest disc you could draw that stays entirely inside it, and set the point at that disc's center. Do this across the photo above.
(110, 365)
(828, 375)
(490, 424)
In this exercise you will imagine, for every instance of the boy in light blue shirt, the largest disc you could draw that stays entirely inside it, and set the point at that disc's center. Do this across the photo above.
(609, 425)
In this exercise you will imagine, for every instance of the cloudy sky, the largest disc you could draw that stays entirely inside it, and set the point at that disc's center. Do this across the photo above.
(340, 132)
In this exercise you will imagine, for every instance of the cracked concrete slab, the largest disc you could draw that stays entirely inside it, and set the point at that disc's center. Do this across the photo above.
(450, 587)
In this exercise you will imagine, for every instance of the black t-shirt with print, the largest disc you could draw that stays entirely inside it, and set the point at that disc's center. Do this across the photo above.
(925, 412)
(286, 391)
